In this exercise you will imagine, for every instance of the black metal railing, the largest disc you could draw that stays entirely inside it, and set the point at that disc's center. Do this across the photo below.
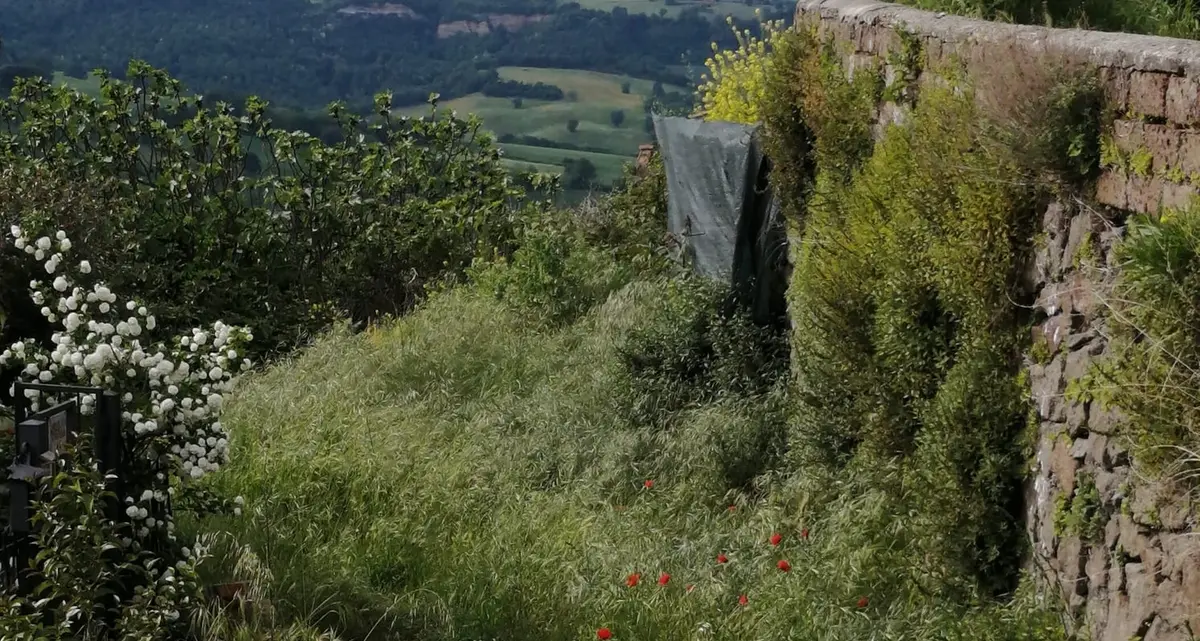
(40, 437)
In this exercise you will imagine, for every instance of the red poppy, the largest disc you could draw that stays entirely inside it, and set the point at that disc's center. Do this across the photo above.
(776, 538)
(721, 558)
(604, 634)
(862, 602)
(633, 579)
(804, 534)
(648, 484)
(690, 588)
(742, 600)
(784, 565)
(664, 578)
(733, 508)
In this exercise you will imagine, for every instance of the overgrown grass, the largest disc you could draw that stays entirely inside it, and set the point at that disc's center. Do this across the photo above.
(497, 464)
(476, 477)
(1153, 372)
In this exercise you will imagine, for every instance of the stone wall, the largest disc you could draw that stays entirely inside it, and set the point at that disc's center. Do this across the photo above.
(1152, 83)
(1134, 572)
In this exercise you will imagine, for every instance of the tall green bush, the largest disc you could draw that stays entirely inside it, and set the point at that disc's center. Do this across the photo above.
(211, 211)
(905, 341)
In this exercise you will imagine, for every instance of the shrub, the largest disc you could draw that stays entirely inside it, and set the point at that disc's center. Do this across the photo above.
(697, 347)
(92, 582)
(905, 338)
(735, 86)
(356, 227)
(570, 260)
(1153, 370)
(814, 117)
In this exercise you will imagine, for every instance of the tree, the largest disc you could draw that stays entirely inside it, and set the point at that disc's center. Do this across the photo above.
(517, 102)
(572, 125)
(625, 86)
(617, 117)
(578, 173)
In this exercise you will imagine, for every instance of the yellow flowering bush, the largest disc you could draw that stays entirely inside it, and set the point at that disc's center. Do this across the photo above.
(736, 83)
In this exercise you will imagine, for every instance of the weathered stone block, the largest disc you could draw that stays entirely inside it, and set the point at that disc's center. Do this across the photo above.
(1189, 153)
(1115, 81)
(1112, 189)
(1177, 195)
(1161, 630)
(1131, 538)
(1063, 466)
(1148, 93)
(1081, 231)
(1162, 142)
(1108, 484)
(1076, 422)
(1097, 454)
(1183, 100)
(1144, 193)
(1077, 365)
(1097, 570)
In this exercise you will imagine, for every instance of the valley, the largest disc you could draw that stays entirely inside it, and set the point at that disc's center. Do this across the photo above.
(555, 80)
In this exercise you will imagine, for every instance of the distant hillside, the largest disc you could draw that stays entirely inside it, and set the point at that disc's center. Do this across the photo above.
(305, 54)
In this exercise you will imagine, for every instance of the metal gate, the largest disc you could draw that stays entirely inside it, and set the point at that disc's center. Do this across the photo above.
(40, 437)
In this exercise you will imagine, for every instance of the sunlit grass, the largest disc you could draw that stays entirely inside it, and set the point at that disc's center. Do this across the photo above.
(460, 474)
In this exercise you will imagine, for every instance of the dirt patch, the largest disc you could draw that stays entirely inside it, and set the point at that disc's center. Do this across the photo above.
(389, 9)
(506, 21)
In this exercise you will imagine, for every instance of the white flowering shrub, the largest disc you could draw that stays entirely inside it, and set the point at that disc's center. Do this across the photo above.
(171, 395)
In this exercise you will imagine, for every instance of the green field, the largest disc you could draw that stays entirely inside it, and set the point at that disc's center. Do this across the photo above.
(592, 98)
(596, 95)
(736, 9)
(89, 85)
(608, 166)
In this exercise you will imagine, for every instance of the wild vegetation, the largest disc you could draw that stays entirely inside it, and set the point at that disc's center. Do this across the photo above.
(483, 416)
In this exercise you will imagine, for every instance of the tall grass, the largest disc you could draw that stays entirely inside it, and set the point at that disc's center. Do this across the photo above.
(463, 474)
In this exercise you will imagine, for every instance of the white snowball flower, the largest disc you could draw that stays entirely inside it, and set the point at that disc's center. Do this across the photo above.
(85, 267)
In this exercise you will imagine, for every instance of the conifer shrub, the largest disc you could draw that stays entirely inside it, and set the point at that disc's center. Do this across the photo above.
(906, 348)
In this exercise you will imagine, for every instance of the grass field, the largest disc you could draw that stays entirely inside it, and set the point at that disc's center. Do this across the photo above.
(608, 166)
(462, 474)
(736, 9)
(596, 96)
(89, 85)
